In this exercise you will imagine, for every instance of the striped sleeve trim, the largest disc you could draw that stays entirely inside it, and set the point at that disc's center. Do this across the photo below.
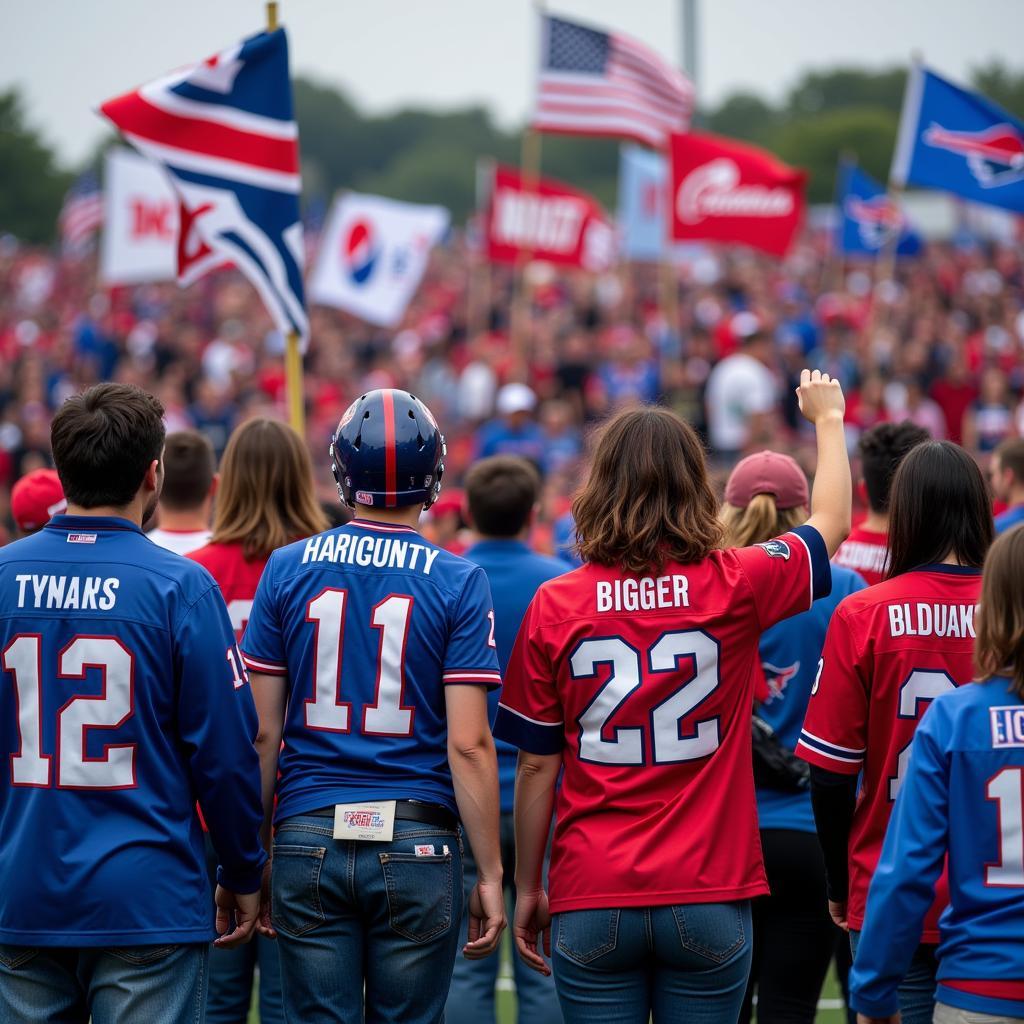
(270, 668)
(817, 558)
(846, 756)
(472, 677)
(527, 733)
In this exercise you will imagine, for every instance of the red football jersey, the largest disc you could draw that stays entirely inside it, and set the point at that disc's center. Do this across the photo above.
(866, 552)
(889, 651)
(644, 685)
(236, 577)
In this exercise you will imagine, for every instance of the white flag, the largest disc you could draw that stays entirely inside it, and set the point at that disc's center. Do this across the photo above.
(373, 254)
(140, 221)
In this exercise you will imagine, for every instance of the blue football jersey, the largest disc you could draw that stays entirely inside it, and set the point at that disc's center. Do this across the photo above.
(123, 701)
(369, 622)
(790, 651)
(963, 795)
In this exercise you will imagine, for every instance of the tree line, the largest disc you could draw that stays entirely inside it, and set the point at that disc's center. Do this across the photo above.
(430, 156)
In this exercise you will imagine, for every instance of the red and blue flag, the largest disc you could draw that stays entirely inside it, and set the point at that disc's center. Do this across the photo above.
(959, 141)
(224, 131)
(870, 220)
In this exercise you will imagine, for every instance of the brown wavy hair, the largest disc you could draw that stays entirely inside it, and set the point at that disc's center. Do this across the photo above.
(999, 623)
(648, 499)
(266, 497)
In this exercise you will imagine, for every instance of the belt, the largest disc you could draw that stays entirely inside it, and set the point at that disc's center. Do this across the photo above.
(410, 810)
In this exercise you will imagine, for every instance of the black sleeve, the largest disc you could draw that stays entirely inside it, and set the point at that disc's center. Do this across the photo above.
(833, 797)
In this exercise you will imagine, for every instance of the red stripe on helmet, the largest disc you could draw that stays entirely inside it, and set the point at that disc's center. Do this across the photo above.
(390, 453)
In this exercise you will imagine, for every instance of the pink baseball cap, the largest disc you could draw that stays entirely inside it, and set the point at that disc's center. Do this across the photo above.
(767, 473)
(35, 498)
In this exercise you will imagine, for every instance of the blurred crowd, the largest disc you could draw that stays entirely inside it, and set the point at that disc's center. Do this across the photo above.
(525, 369)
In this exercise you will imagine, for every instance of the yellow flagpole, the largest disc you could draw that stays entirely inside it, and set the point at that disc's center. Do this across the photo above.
(292, 351)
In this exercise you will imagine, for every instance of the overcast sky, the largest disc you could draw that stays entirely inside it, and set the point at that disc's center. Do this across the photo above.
(68, 55)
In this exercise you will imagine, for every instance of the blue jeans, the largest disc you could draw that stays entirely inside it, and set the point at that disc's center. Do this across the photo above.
(232, 970)
(472, 997)
(355, 913)
(916, 993)
(686, 963)
(163, 984)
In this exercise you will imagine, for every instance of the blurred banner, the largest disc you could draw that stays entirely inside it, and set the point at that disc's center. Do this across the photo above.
(959, 141)
(140, 221)
(727, 191)
(373, 253)
(643, 202)
(869, 219)
(548, 221)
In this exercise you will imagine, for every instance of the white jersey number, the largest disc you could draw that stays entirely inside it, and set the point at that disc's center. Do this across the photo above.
(387, 715)
(690, 652)
(1007, 790)
(920, 689)
(115, 767)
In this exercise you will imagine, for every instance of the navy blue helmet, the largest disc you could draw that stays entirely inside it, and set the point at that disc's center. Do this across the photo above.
(388, 452)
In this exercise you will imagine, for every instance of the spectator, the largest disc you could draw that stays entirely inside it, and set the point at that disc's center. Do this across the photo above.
(989, 419)
(514, 432)
(35, 499)
(502, 493)
(1006, 473)
(909, 401)
(866, 549)
(186, 501)
(742, 393)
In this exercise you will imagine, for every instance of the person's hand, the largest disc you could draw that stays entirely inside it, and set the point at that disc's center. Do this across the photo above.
(837, 911)
(246, 908)
(864, 1019)
(263, 923)
(532, 929)
(486, 920)
(820, 397)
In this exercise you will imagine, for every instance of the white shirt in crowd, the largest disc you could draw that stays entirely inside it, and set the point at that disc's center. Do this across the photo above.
(181, 542)
(738, 387)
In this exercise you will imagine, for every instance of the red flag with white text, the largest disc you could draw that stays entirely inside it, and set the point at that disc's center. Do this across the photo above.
(547, 221)
(727, 191)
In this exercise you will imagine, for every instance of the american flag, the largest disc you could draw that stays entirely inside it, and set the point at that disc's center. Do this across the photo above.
(604, 83)
(82, 213)
(224, 132)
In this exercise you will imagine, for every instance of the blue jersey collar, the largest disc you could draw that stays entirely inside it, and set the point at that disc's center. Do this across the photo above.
(85, 523)
(368, 524)
(952, 570)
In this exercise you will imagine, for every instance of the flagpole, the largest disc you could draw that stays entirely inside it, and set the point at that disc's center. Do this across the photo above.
(478, 299)
(292, 351)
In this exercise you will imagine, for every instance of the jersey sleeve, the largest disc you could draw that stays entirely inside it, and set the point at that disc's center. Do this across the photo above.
(530, 714)
(217, 722)
(834, 735)
(471, 657)
(903, 886)
(263, 640)
(786, 575)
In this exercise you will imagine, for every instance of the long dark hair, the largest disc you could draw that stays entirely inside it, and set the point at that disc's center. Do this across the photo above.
(939, 505)
(648, 499)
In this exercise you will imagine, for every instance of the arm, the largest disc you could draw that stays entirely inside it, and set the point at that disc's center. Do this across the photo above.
(536, 776)
(903, 886)
(833, 797)
(822, 403)
(474, 767)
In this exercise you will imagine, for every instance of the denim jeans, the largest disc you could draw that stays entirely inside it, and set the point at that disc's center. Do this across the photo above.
(231, 974)
(916, 993)
(685, 963)
(471, 999)
(354, 913)
(163, 984)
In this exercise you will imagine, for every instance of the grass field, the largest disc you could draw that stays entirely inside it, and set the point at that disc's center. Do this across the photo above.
(830, 1011)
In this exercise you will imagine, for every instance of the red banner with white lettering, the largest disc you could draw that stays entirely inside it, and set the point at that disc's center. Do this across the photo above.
(726, 191)
(546, 221)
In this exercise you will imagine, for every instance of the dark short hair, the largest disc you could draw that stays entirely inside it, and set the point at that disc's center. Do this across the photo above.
(882, 448)
(103, 441)
(1010, 454)
(189, 468)
(939, 505)
(501, 492)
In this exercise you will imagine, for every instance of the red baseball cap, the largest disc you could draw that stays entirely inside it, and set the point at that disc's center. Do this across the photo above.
(767, 473)
(35, 498)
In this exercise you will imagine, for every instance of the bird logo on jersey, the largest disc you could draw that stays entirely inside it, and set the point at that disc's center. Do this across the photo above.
(995, 155)
(776, 549)
(778, 678)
